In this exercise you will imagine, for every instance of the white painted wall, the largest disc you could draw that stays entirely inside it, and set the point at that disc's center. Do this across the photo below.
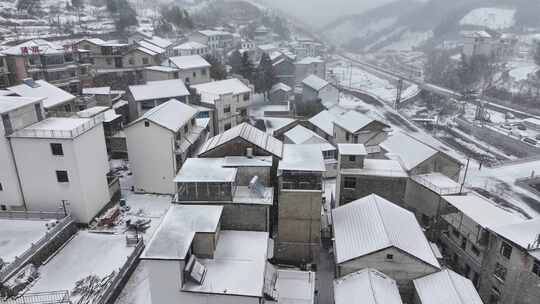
(85, 159)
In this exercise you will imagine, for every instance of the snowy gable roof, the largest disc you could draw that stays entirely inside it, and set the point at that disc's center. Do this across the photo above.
(159, 89)
(222, 87)
(175, 234)
(368, 286)
(410, 151)
(353, 121)
(352, 149)
(53, 95)
(315, 82)
(158, 41)
(303, 135)
(446, 287)
(280, 87)
(248, 133)
(310, 60)
(190, 45)
(205, 170)
(324, 121)
(152, 47)
(371, 224)
(522, 234)
(171, 115)
(307, 158)
(481, 210)
(187, 62)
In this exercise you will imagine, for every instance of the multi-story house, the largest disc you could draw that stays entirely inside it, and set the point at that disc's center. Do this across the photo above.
(218, 42)
(315, 88)
(191, 69)
(63, 66)
(159, 142)
(70, 174)
(300, 174)
(356, 128)
(56, 101)
(310, 66)
(191, 48)
(229, 98)
(144, 97)
(4, 72)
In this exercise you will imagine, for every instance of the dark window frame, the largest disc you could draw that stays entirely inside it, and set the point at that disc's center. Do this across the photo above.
(57, 149)
(62, 176)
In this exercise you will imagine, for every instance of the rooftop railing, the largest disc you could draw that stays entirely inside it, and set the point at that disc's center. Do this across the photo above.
(66, 134)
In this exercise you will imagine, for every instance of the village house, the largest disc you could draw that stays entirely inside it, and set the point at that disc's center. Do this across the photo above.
(315, 88)
(101, 96)
(191, 48)
(323, 124)
(285, 70)
(159, 142)
(156, 41)
(238, 183)
(417, 157)
(56, 101)
(489, 43)
(191, 69)
(228, 98)
(358, 176)
(218, 42)
(464, 235)
(310, 66)
(300, 200)
(63, 66)
(144, 97)
(307, 47)
(5, 80)
(280, 92)
(71, 173)
(511, 268)
(445, 287)
(355, 128)
(368, 285)
(373, 232)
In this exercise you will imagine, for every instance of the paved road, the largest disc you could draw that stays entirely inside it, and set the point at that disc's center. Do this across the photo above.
(325, 277)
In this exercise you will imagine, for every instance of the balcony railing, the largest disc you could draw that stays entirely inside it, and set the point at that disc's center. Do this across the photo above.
(88, 125)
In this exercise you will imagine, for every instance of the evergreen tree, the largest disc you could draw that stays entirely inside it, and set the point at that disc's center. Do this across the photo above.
(537, 54)
(31, 6)
(235, 61)
(217, 69)
(266, 77)
(123, 14)
(247, 69)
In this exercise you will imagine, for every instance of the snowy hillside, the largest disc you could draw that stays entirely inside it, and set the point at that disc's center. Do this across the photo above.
(490, 17)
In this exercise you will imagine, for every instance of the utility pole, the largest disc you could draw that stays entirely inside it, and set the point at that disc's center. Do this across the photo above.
(399, 92)
(464, 176)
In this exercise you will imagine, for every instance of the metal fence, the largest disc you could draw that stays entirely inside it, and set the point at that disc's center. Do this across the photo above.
(53, 297)
(31, 215)
(441, 191)
(7, 271)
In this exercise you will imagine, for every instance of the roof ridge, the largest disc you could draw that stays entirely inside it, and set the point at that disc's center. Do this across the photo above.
(455, 287)
(370, 279)
(376, 200)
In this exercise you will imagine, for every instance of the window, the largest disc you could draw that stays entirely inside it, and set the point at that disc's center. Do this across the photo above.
(194, 74)
(389, 256)
(347, 136)
(131, 61)
(7, 124)
(349, 183)
(463, 243)
(500, 272)
(246, 97)
(193, 121)
(145, 60)
(1, 187)
(186, 128)
(57, 149)
(109, 61)
(3, 207)
(147, 124)
(203, 72)
(355, 139)
(475, 250)
(227, 126)
(227, 109)
(39, 114)
(506, 250)
(536, 268)
(62, 176)
(352, 158)
(455, 232)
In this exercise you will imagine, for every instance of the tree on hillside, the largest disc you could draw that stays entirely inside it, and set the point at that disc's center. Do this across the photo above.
(31, 6)
(266, 77)
(217, 69)
(537, 54)
(235, 61)
(247, 69)
(177, 16)
(123, 14)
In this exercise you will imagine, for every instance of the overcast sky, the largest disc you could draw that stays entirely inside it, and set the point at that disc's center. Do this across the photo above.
(321, 12)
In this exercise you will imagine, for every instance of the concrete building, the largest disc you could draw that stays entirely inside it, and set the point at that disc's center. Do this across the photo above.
(159, 142)
(144, 97)
(417, 157)
(466, 221)
(445, 287)
(300, 203)
(191, 69)
(490, 44)
(323, 124)
(355, 128)
(373, 232)
(71, 173)
(359, 176)
(280, 92)
(511, 269)
(56, 100)
(366, 286)
(5, 80)
(310, 66)
(285, 70)
(315, 88)
(240, 184)
(218, 42)
(191, 48)
(228, 98)
(63, 66)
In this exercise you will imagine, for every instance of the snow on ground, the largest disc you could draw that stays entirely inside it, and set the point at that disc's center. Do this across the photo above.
(86, 254)
(491, 17)
(349, 30)
(409, 40)
(137, 289)
(522, 73)
(16, 236)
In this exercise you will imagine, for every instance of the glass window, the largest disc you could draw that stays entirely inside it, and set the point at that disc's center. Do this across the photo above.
(349, 182)
(57, 149)
(62, 176)
(506, 250)
(500, 272)
(536, 268)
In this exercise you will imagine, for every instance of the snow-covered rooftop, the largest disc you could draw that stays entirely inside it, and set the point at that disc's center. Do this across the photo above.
(368, 286)
(352, 149)
(159, 89)
(482, 211)
(438, 182)
(160, 68)
(410, 151)
(371, 224)
(295, 286)
(238, 266)
(45, 48)
(315, 82)
(307, 158)
(91, 112)
(378, 167)
(171, 115)
(280, 86)
(152, 47)
(175, 234)
(324, 121)
(303, 135)
(158, 41)
(110, 115)
(446, 287)
(211, 91)
(244, 161)
(187, 62)
(248, 133)
(10, 103)
(310, 60)
(353, 121)
(205, 170)
(17, 235)
(190, 45)
(213, 33)
(53, 95)
(59, 127)
(97, 91)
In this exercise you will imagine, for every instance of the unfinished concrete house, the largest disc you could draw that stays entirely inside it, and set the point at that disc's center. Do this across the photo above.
(300, 201)
(246, 200)
(359, 176)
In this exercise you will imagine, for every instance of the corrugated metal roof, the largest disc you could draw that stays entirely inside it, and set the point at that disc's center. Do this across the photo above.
(169, 88)
(446, 287)
(315, 82)
(367, 286)
(373, 223)
(307, 157)
(410, 151)
(353, 121)
(250, 134)
(171, 115)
